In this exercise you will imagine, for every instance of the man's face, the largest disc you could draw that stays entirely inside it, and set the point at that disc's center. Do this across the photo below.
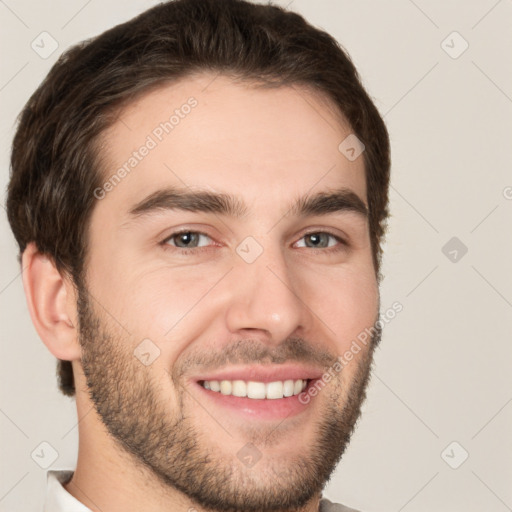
(271, 295)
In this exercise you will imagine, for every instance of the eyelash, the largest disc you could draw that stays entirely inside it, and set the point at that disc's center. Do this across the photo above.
(343, 244)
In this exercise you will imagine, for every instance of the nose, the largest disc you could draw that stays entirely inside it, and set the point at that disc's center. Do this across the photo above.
(264, 296)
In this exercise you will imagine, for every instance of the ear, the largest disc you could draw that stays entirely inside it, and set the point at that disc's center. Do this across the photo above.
(51, 303)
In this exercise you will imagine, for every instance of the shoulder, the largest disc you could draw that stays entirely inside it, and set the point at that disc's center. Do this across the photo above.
(329, 506)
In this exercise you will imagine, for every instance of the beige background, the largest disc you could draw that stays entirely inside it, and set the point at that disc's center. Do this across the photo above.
(443, 371)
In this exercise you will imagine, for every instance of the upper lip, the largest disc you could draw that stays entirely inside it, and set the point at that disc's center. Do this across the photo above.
(263, 373)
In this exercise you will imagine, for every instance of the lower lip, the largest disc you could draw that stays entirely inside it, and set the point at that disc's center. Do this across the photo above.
(265, 409)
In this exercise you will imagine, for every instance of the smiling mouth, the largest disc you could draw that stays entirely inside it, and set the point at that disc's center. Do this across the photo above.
(261, 394)
(257, 390)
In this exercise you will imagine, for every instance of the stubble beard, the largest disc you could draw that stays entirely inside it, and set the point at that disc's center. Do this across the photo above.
(183, 458)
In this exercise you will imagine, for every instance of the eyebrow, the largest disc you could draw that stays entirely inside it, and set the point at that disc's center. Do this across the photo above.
(176, 198)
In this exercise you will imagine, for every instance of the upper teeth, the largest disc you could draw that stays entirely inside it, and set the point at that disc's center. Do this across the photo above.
(258, 390)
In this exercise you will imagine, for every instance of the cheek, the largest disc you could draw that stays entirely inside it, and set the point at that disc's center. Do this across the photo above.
(143, 295)
(348, 306)
(168, 307)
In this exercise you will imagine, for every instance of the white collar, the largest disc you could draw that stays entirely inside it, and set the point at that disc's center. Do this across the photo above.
(57, 498)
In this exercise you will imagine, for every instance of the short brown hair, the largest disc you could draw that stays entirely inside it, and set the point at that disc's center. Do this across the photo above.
(55, 165)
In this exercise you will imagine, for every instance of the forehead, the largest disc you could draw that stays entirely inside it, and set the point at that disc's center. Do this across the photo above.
(208, 132)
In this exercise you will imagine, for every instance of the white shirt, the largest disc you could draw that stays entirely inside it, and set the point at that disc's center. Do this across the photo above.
(59, 500)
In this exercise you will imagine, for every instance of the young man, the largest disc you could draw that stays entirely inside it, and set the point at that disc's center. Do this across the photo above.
(199, 196)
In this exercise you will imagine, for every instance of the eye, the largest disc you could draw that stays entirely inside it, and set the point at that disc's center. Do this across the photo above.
(321, 239)
(190, 241)
(185, 240)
